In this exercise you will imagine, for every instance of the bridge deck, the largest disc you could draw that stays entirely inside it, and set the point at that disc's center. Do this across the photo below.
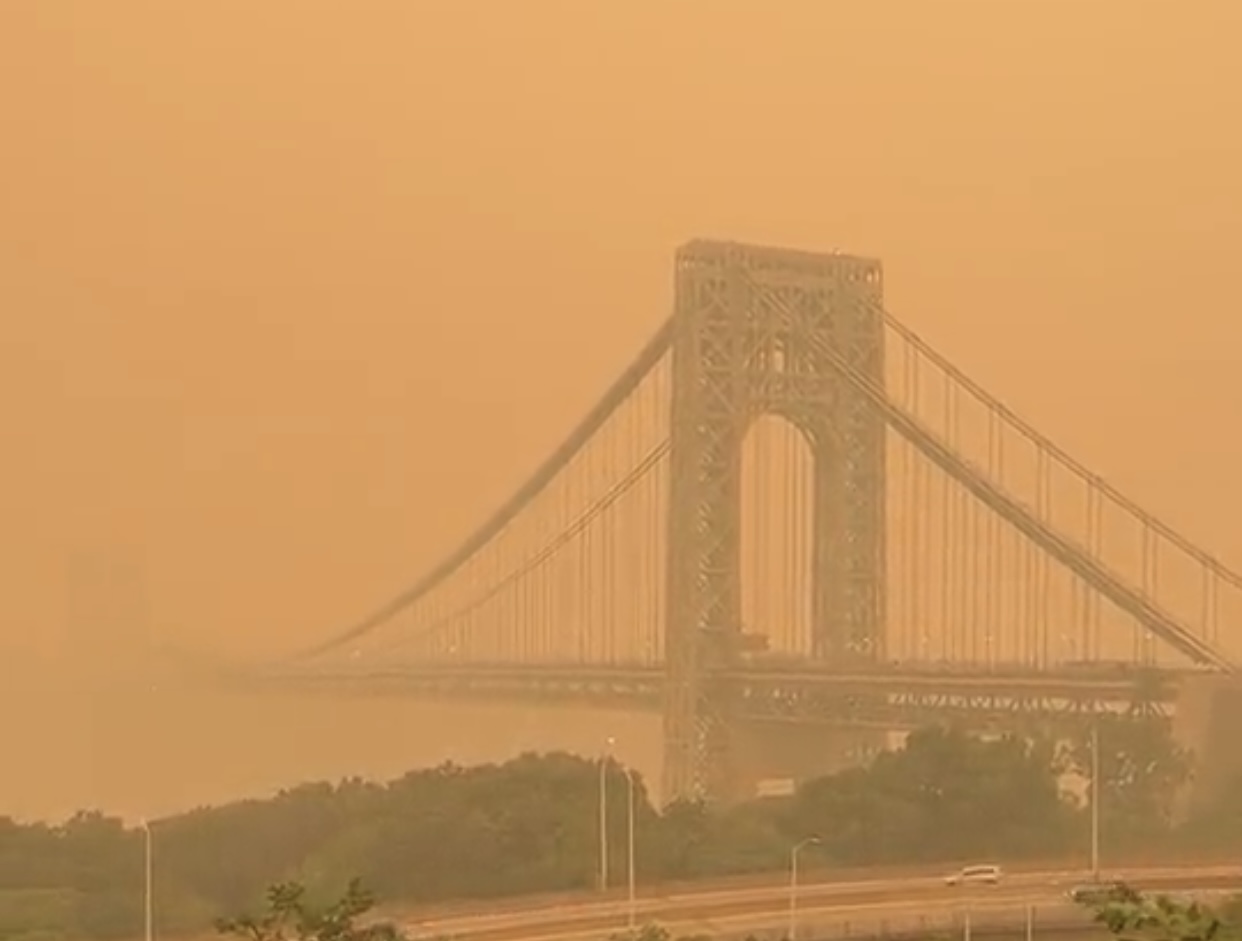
(892, 697)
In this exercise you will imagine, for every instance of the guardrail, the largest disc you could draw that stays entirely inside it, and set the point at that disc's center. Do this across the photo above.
(1029, 921)
(601, 918)
(777, 880)
(965, 924)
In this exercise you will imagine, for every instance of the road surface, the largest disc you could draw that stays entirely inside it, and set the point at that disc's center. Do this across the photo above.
(822, 907)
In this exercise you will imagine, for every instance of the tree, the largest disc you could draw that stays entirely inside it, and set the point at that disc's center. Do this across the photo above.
(289, 916)
(694, 840)
(531, 825)
(1142, 769)
(945, 795)
(655, 932)
(1131, 916)
(1217, 822)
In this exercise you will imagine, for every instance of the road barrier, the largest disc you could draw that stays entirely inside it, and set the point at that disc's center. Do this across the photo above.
(966, 924)
(599, 919)
(773, 880)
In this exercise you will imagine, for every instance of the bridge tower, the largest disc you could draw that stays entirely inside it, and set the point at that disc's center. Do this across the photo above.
(751, 326)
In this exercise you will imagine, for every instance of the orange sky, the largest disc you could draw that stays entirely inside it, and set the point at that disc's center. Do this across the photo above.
(294, 292)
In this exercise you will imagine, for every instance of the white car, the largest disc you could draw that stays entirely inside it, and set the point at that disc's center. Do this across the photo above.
(975, 875)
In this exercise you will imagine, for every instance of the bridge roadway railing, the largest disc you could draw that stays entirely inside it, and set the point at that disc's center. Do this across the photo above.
(890, 698)
(964, 678)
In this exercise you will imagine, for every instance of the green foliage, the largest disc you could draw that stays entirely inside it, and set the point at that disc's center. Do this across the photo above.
(648, 932)
(693, 841)
(530, 825)
(73, 880)
(1141, 771)
(656, 932)
(1216, 822)
(945, 795)
(1131, 916)
(27, 912)
(290, 916)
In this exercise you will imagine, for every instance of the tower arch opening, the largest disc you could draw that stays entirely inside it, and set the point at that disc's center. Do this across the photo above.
(777, 533)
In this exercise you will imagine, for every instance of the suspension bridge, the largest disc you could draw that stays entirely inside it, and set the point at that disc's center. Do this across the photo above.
(791, 526)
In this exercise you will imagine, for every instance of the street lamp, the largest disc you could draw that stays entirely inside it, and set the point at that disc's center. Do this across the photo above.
(1095, 798)
(631, 894)
(793, 882)
(148, 906)
(604, 761)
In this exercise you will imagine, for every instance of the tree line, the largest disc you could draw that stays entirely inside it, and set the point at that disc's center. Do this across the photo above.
(530, 825)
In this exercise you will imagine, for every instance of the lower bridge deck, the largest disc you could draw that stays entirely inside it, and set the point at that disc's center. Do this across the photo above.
(893, 698)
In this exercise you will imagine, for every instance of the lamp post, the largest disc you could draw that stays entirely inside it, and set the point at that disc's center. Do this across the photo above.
(148, 903)
(631, 896)
(604, 761)
(1095, 798)
(793, 883)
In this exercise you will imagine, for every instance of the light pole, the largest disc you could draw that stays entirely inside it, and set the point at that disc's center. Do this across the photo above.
(631, 894)
(604, 761)
(1095, 798)
(793, 883)
(148, 904)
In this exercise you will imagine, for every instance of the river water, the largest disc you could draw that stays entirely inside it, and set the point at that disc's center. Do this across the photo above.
(152, 748)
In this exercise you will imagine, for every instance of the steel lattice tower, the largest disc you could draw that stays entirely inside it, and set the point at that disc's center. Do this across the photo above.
(751, 326)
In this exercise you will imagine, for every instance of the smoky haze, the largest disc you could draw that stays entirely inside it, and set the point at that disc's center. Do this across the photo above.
(294, 294)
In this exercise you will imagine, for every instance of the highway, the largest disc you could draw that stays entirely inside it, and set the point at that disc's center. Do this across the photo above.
(829, 907)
